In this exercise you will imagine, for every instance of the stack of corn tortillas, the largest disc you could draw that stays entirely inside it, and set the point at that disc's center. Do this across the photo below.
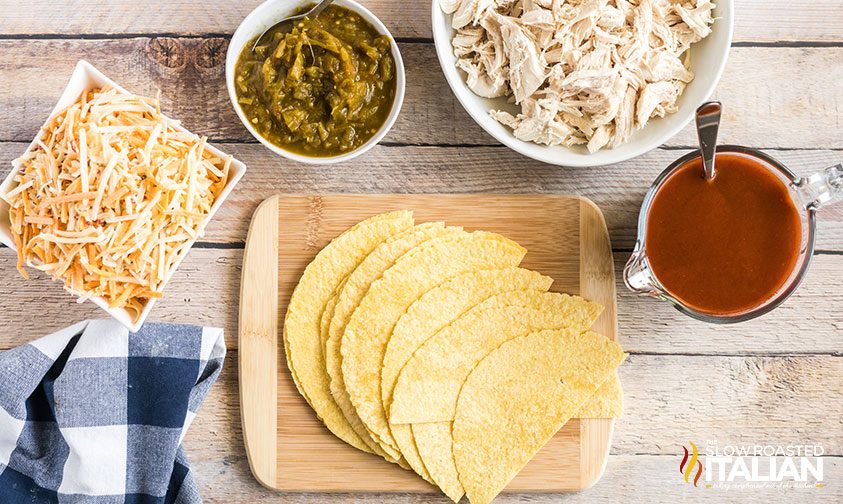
(429, 346)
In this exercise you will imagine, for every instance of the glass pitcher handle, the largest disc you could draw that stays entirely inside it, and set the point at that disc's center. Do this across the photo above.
(823, 188)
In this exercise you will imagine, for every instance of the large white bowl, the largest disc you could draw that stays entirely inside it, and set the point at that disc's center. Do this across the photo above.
(268, 14)
(84, 78)
(708, 59)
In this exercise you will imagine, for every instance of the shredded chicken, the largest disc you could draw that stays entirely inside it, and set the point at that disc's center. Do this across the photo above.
(584, 72)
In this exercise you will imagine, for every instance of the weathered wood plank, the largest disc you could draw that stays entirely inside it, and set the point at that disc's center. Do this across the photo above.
(628, 478)
(775, 20)
(205, 291)
(808, 322)
(184, 17)
(755, 20)
(190, 74)
(730, 400)
(775, 97)
(668, 400)
(617, 189)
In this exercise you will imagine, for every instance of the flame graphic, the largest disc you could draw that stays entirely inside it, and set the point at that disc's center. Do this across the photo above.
(687, 470)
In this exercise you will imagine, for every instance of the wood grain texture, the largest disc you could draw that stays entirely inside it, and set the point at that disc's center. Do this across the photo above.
(757, 381)
(556, 230)
(597, 283)
(190, 74)
(756, 20)
(258, 342)
(729, 399)
(669, 399)
(629, 478)
(617, 189)
(206, 286)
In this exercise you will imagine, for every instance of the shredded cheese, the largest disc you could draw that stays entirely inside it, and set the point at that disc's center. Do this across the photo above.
(110, 197)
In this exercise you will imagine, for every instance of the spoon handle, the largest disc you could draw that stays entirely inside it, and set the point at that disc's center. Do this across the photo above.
(311, 13)
(708, 122)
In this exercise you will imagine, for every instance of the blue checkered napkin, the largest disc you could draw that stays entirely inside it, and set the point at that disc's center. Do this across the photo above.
(93, 414)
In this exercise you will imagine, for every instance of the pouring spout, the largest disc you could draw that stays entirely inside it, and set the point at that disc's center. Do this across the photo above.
(638, 277)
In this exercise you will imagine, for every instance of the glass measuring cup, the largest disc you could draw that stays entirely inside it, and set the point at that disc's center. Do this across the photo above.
(808, 195)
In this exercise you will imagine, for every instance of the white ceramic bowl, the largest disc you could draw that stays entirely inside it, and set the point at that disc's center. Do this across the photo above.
(708, 59)
(84, 78)
(268, 14)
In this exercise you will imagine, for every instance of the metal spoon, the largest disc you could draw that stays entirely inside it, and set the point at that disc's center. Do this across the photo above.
(708, 122)
(312, 12)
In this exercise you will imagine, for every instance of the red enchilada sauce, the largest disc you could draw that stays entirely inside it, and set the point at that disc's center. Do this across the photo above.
(727, 245)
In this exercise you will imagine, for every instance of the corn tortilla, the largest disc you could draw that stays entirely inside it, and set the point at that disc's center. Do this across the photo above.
(536, 310)
(518, 397)
(433, 441)
(434, 310)
(302, 338)
(358, 428)
(434, 445)
(607, 402)
(370, 269)
(442, 305)
(365, 337)
(327, 315)
(403, 436)
(430, 382)
(347, 299)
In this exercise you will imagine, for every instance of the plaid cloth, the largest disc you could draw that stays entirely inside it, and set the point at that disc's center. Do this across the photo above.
(93, 414)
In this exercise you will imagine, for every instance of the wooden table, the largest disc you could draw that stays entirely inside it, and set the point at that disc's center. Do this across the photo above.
(775, 380)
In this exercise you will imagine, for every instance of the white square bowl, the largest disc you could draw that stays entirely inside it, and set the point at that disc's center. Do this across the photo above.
(84, 78)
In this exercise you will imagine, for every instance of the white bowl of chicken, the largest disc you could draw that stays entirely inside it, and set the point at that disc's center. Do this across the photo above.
(582, 82)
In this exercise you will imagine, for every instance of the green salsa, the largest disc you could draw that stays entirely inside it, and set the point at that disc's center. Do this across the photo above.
(319, 87)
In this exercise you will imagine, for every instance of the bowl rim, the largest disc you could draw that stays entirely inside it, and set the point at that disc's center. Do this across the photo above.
(556, 155)
(84, 77)
(262, 15)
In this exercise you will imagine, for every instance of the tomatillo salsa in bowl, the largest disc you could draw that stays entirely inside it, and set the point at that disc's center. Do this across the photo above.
(320, 89)
(733, 247)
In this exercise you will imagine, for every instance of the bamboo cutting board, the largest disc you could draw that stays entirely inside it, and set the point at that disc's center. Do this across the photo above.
(288, 447)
